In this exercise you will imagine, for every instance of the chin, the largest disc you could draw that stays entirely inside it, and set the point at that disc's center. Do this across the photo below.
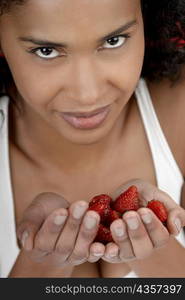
(87, 137)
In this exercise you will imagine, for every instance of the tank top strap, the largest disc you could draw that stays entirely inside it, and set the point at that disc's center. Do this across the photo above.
(168, 174)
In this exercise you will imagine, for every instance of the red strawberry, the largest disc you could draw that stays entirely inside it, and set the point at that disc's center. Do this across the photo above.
(113, 215)
(101, 204)
(101, 197)
(103, 235)
(159, 209)
(128, 200)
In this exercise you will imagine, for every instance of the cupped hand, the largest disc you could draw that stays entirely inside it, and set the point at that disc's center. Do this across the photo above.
(139, 233)
(59, 234)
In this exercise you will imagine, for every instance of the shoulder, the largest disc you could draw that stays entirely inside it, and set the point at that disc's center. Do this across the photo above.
(169, 103)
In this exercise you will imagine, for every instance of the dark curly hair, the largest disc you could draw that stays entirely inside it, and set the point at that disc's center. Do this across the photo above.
(164, 23)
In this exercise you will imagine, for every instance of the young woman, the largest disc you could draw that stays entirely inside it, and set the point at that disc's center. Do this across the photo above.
(81, 122)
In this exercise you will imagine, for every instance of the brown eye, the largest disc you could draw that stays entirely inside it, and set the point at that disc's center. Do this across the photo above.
(115, 42)
(46, 52)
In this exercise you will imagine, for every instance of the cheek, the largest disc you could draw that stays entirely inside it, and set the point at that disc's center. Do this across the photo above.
(35, 86)
(127, 70)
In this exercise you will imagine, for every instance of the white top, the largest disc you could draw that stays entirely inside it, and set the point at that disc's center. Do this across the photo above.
(168, 175)
(8, 242)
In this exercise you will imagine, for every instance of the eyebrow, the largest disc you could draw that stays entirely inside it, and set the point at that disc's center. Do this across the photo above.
(119, 30)
(62, 45)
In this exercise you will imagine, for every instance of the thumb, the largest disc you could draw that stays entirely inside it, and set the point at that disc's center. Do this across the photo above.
(35, 214)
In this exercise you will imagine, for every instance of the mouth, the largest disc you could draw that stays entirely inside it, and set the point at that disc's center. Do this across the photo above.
(86, 120)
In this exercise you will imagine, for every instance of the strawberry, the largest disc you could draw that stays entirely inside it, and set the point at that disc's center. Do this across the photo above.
(159, 209)
(102, 197)
(101, 204)
(128, 200)
(103, 235)
(113, 215)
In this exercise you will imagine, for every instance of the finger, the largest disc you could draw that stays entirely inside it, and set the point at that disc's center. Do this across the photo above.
(49, 232)
(141, 243)
(96, 251)
(67, 239)
(35, 215)
(157, 232)
(111, 253)
(119, 233)
(86, 235)
(176, 220)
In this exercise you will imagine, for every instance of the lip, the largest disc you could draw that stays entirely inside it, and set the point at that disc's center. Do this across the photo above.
(86, 114)
(86, 120)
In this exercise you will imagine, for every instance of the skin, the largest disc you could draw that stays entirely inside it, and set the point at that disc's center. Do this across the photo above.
(85, 77)
(45, 240)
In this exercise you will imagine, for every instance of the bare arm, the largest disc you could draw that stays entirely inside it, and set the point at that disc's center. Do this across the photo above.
(26, 268)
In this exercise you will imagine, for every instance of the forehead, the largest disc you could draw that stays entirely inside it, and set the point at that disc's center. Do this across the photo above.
(67, 13)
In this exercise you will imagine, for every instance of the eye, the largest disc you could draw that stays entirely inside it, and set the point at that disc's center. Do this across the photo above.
(116, 41)
(46, 52)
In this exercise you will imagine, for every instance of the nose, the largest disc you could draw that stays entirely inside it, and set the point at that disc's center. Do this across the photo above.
(86, 82)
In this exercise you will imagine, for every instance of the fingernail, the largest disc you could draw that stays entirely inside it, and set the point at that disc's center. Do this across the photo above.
(119, 231)
(78, 211)
(113, 254)
(97, 254)
(147, 218)
(59, 220)
(90, 222)
(132, 223)
(24, 237)
(110, 255)
(177, 223)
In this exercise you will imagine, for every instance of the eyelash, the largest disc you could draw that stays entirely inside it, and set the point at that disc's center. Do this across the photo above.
(126, 36)
(34, 50)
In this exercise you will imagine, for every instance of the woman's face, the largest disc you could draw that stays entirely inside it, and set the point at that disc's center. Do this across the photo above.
(75, 63)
